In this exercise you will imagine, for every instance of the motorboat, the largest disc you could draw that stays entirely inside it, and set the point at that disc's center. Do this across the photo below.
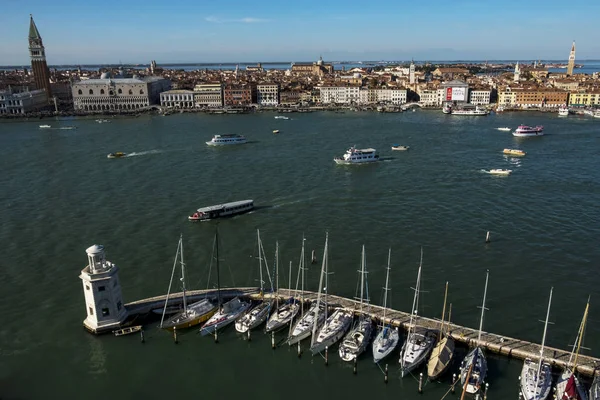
(281, 117)
(303, 328)
(524, 131)
(499, 171)
(334, 328)
(227, 314)
(226, 140)
(103, 121)
(505, 129)
(357, 156)
(222, 210)
(563, 111)
(357, 339)
(514, 152)
(45, 127)
(118, 154)
(596, 114)
(254, 318)
(276, 131)
(400, 147)
(447, 109)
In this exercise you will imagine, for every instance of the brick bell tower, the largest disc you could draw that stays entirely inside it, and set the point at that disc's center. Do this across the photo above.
(41, 74)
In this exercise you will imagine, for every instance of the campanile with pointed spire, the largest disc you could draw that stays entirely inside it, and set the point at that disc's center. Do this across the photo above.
(571, 63)
(37, 53)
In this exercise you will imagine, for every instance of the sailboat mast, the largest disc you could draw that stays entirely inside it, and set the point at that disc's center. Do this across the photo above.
(277, 273)
(170, 284)
(314, 328)
(412, 310)
(537, 378)
(303, 261)
(581, 330)
(182, 273)
(483, 306)
(386, 288)
(444, 309)
(362, 277)
(260, 265)
(218, 272)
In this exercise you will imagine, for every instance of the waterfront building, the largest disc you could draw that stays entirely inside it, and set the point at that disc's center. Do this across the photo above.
(541, 98)
(318, 68)
(517, 74)
(571, 63)
(566, 84)
(37, 53)
(429, 97)
(118, 94)
(455, 91)
(340, 94)
(585, 98)
(239, 95)
(267, 94)
(394, 96)
(177, 99)
(290, 97)
(208, 95)
(15, 103)
(102, 292)
(449, 73)
(480, 96)
(507, 97)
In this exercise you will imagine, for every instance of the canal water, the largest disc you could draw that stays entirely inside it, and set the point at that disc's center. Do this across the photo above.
(60, 194)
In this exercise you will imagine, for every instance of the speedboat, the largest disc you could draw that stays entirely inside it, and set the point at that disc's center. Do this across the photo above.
(399, 147)
(103, 121)
(45, 126)
(281, 117)
(195, 314)
(225, 140)
(534, 387)
(505, 129)
(283, 316)
(357, 340)
(276, 131)
(563, 111)
(118, 154)
(222, 210)
(253, 318)
(514, 152)
(473, 370)
(228, 313)
(415, 350)
(334, 328)
(304, 326)
(499, 171)
(357, 156)
(524, 131)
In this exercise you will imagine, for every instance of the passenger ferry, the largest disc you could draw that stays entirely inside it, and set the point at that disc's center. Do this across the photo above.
(222, 210)
(524, 130)
(514, 152)
(357, 156)
(224, 140)
(470, 111)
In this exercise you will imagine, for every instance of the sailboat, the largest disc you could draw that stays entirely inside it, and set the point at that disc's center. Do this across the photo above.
(595, 388)
(474, 366)
(192, 314)
(536, 378)
(358, 338)
(284, 313)
(568, 386)
(336, 324)
(259, 314)
(227, 312)
(303, 327)
(419, 341)
(388, 337)
(443, 352)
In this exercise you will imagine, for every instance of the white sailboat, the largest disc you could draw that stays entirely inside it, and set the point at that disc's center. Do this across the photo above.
(283, 314)
(336, 325)
(259, 314)
(536, 378)
(388, 337)
(358, 338)
(443, 352)
(419, 341)
(303, 327)
(568, 386)
(192, 314)
(595, 388)
(474, 366)
(228, 312)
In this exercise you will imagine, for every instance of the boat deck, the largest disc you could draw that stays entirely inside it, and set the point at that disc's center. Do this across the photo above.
(493, 343)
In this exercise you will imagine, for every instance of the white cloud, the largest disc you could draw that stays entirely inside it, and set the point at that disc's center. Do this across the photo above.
(245, 20)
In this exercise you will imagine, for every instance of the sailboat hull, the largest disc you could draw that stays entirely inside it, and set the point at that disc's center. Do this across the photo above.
(303, 328)
(229, 313)
(282, 317)
(197, 313)
(595, 389)
(415, 350)
(332, 331)
(567, 388)
(385, 342)
(253, 318)
(532, 387)
(357, 340)
(476, 357)
(441, 358)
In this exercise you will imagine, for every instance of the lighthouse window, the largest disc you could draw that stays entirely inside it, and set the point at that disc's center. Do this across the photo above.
(105, 312)
(101, 288)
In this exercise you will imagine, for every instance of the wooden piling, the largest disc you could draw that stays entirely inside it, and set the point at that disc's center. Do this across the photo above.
(385, 374)
(249, 339)
(355, 369)
(421, 383)
(487, 237)
(326, 355)
(273, 340)
(175, 334)
(142, 336)
(299, 350)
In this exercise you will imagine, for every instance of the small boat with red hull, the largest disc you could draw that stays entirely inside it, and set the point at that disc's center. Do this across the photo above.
(524, 130)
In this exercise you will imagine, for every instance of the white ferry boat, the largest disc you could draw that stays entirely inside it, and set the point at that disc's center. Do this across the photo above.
(222, 210)
(45, 127)
(470, 111)
(357, 156)
(224, 140)
(563, 111)
(524, 130)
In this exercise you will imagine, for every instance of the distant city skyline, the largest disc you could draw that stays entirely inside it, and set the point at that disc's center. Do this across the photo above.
(185, 31)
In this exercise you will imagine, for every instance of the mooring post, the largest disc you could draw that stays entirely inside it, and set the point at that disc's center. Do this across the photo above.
(175, 334)
(487, 386)
(487, 237)
(355, 369)
(249, 339)
(273, 339)
(142, 336)
(216, 335)
(385, 374)
(453, 383)
(326, 356)
(299, 350)
(421, 382)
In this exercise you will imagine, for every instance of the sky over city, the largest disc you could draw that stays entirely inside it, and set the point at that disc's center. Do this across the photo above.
(186, 31)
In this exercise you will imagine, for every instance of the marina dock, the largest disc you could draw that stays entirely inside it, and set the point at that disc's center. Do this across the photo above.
(493, 343)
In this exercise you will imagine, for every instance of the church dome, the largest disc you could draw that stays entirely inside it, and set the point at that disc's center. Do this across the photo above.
(105, 75)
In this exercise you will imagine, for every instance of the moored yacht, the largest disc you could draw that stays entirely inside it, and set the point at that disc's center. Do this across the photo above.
(283, 315)
(357, 156)
(524, 131)
(334, 328)
(304, 326)
(229, 139)
(227, 314)
(388, 337)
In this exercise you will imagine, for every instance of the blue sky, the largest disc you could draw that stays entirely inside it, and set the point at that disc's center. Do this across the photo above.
(109, 31)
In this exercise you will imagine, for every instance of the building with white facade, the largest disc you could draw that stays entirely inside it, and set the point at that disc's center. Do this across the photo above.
(455, 91)
(208, 95)
(177, 99)
(340, 94)
(430, 97)
(118, 94)
(382, 95)
(480, 96)
(22, 102)
(267, 94)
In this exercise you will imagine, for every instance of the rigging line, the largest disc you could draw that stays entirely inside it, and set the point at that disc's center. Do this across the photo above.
(212, 257)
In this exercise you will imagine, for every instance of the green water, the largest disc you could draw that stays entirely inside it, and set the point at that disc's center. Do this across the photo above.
(59, 194)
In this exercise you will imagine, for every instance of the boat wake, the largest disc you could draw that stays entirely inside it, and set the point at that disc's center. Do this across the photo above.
(143, 153)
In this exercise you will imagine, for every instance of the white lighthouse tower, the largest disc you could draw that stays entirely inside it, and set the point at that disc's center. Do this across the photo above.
(102, 291)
